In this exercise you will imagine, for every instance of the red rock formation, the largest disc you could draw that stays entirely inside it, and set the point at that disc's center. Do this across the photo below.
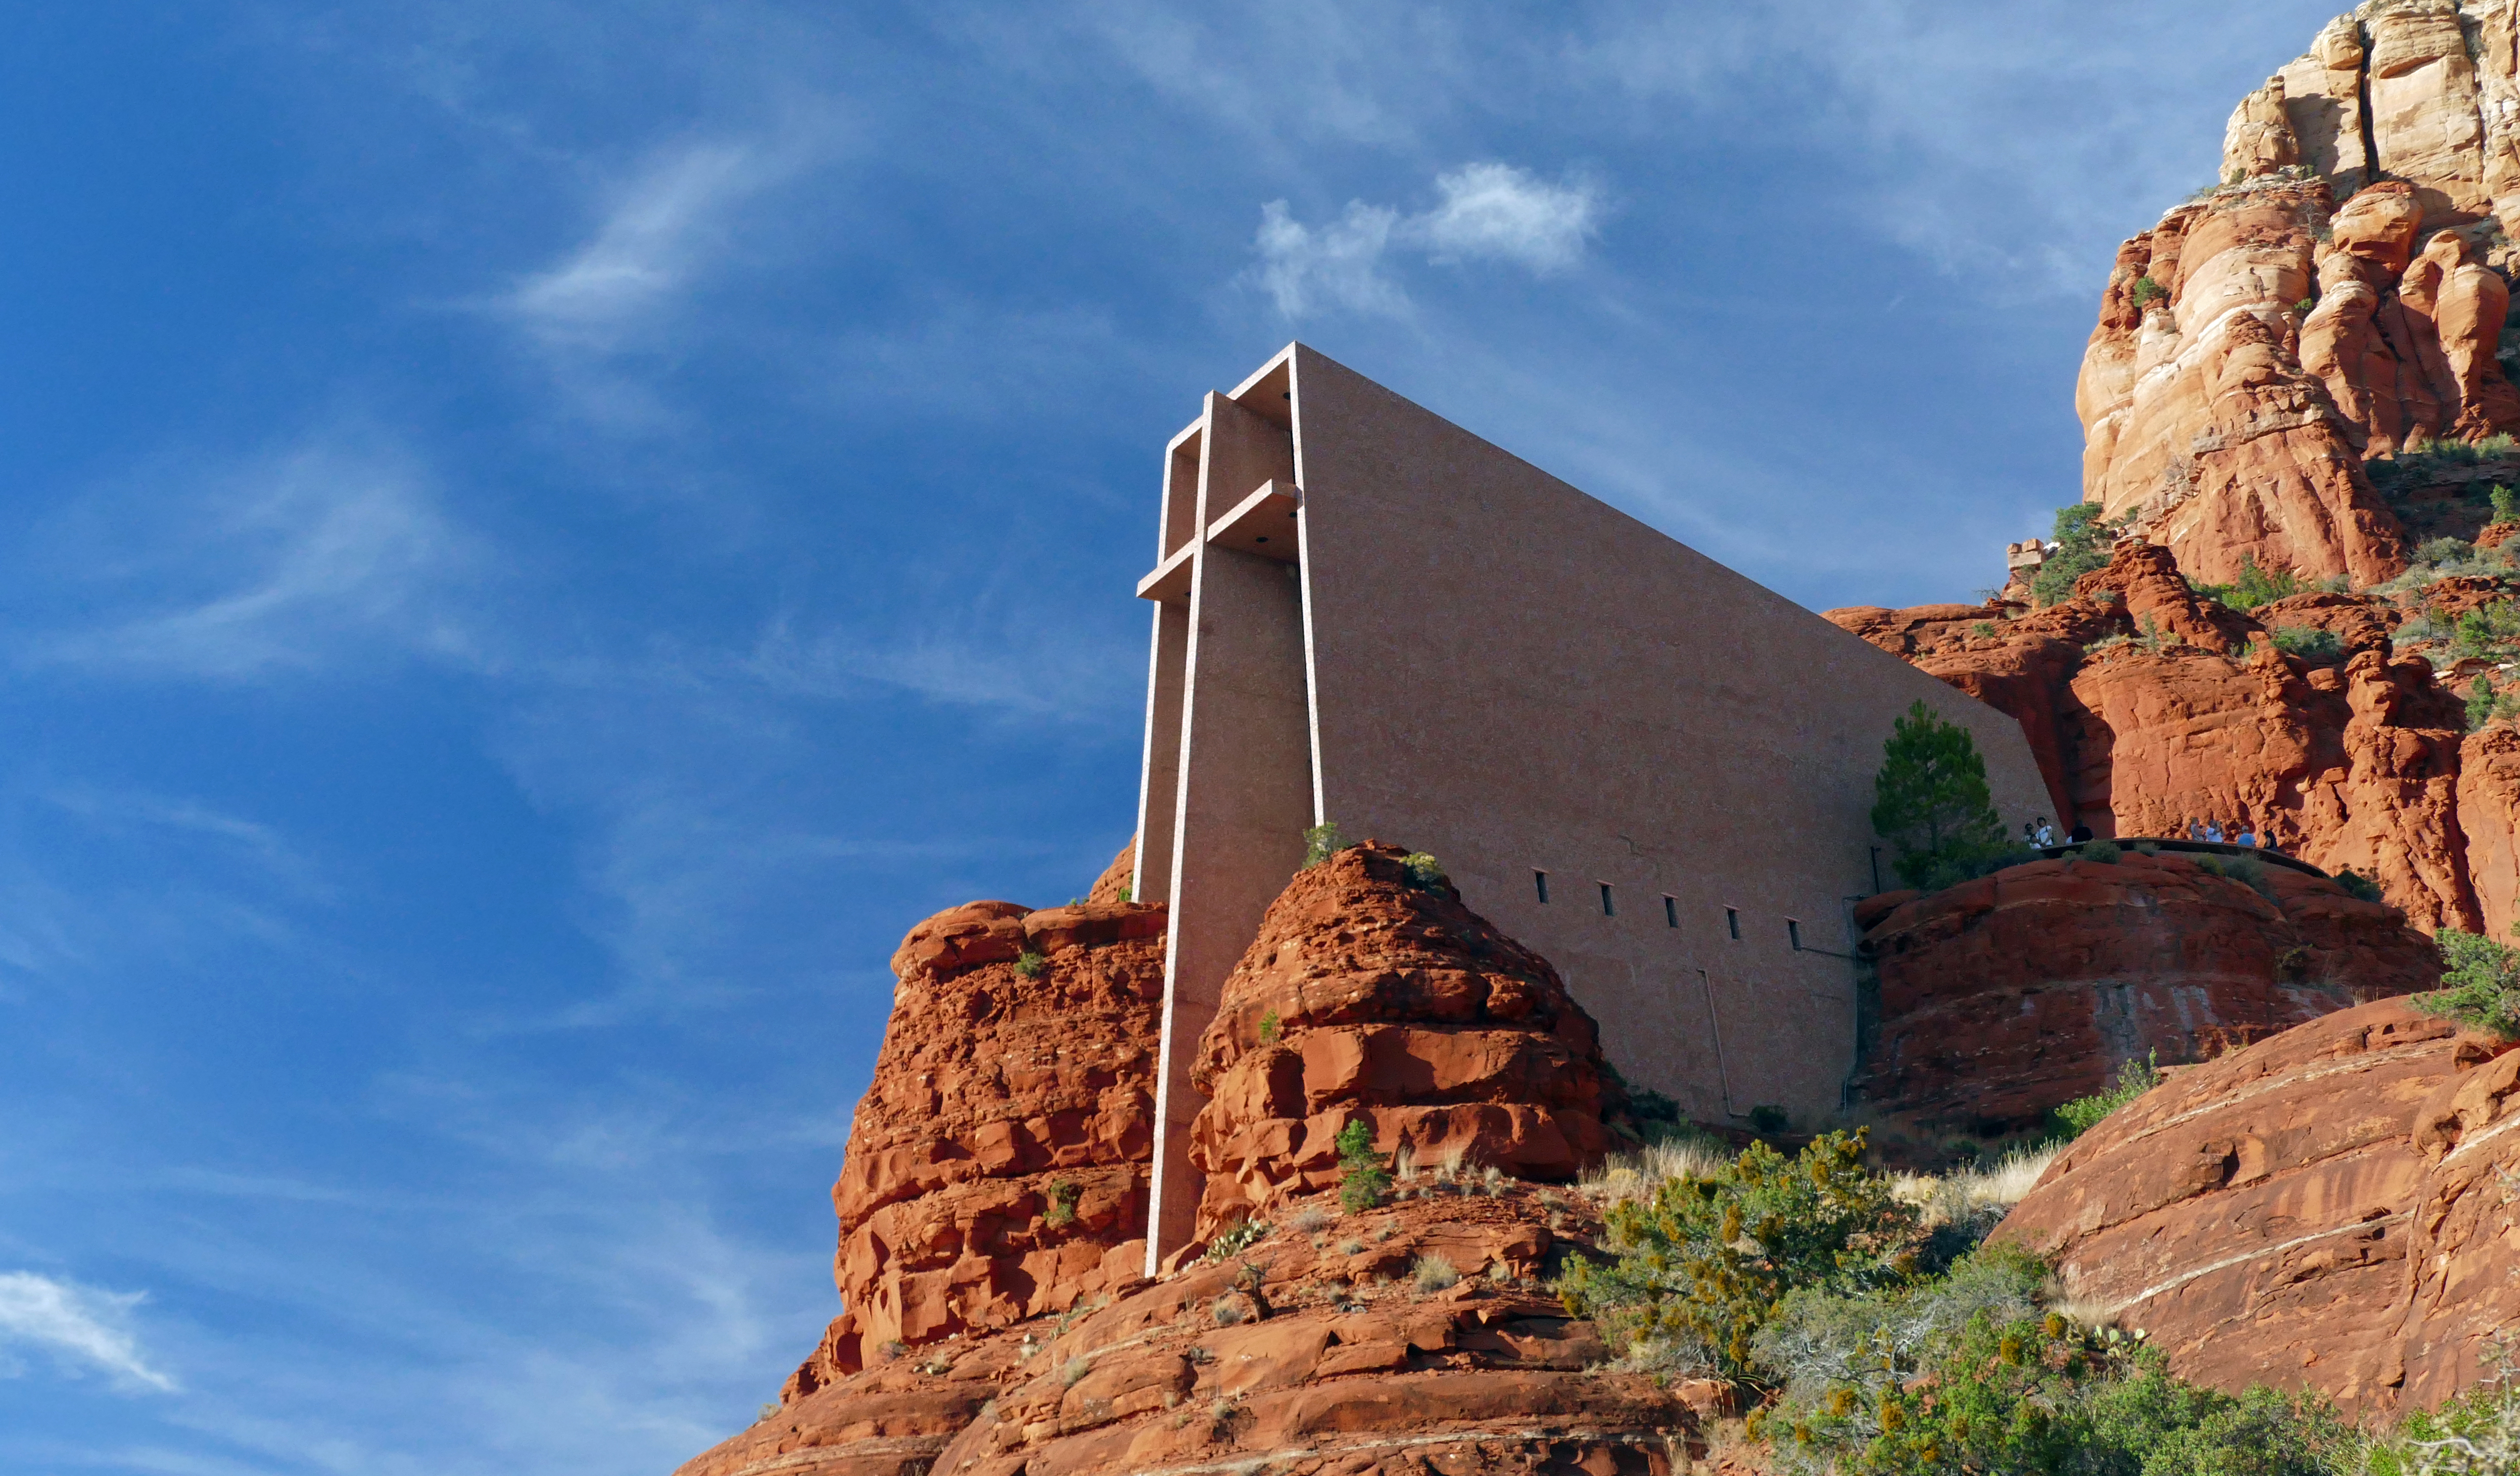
(2347, 764)
(2325, 1210)
(1368, 997)
(2489, 814)
(2353, 767)
(1114, 884)
(2200, 418)
(2281, 335)
(1312, 1350)
(2005, 996)
(997, 1167)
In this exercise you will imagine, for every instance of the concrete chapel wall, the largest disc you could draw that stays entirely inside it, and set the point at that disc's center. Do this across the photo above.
(1474, 658)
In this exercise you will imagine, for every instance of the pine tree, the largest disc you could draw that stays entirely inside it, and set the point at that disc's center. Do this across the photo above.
(1931, 802)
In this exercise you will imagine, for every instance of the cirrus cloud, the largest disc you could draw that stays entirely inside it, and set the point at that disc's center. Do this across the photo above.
(78, 1325)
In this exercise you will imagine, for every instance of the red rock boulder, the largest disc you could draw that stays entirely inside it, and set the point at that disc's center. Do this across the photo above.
(1369, 996)
(997, 1167)
(2328, 1210)
(2005, 996)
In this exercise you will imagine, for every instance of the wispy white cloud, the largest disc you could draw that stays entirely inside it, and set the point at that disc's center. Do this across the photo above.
(78, 1325)
(233, 837)
(607, 319)
(287, 563)
(659, 229)
(1488, 212)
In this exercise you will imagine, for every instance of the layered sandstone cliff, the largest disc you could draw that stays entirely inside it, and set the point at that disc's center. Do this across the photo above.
(2339, 295)
(2329, 1210)
(2003, 997)
(2149, 706)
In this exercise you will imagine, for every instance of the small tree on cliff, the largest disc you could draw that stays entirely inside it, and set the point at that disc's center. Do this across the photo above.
(2082, 542)
(1930, 801)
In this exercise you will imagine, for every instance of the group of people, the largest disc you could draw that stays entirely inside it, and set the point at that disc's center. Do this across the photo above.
(2039, 835)
(2240, 833)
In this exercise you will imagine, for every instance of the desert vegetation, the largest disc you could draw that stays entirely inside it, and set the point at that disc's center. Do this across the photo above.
(1873, 1330)
(1932, 804)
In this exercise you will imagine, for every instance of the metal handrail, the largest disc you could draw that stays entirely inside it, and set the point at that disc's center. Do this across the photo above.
(2194, 847)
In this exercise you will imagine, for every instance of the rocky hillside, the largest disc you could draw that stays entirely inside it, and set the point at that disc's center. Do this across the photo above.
(1412, 1334)
(2320, 718)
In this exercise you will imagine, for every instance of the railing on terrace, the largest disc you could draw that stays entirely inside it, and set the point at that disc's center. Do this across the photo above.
(2191, 847)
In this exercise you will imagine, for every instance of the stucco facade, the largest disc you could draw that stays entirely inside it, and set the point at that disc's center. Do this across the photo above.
(1365, 614)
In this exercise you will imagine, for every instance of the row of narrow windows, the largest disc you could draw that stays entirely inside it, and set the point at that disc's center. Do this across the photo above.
(1670, 911)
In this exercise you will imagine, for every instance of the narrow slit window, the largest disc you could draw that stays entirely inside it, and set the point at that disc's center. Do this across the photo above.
(1733, 923)
(1670, 911)
(1795, 934)
(1539, 884)
(1610, 909)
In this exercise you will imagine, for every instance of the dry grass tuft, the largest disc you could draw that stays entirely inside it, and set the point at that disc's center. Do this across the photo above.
(1635, 1175)
(1980, 1194)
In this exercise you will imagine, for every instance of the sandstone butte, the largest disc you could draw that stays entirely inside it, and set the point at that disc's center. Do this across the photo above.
(2339, 295)
(2003, 997)
(1316, 1347)
(2325, 1210)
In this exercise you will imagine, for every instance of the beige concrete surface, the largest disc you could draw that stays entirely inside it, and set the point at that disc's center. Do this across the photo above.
(1474, 658)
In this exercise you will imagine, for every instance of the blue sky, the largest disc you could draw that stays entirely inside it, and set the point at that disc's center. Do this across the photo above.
(540, 537)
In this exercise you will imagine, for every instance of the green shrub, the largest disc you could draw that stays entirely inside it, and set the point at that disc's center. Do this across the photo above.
(2484, 703)
(2248, 871)
(1321, 842)
(2486, 631)
(1706, 1259)
(2105, 852)
(2037, 1393)
(1270, 1028)
(1932, 804)
(1368, 1175)
(1648, 1105)
(2083, 1113)
(1984, 628)
(2148, 293)
(1063, 1204)
(2083, 538)
(2306, 306)
(1423, 871)
(2440, 551)
(1768, 1117)
(2473, 1435)
(2359, 887)
(2506, 504)
(1030, 964)
(2480, 983)
(2309, 642)
(2254, 587)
